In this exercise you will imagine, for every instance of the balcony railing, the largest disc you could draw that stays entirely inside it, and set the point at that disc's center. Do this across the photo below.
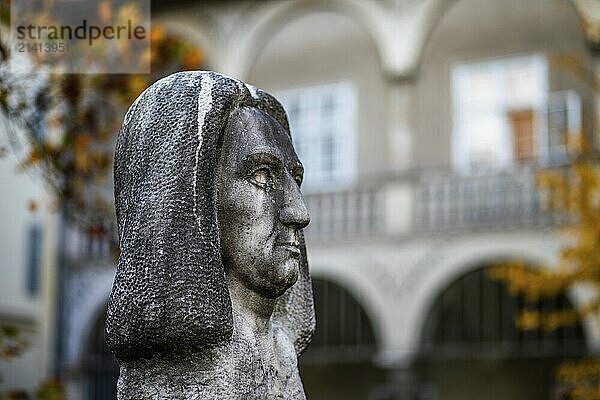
(430, 202)
(506, 199)
(345, 213)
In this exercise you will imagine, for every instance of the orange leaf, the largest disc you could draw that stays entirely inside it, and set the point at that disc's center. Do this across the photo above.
(104, 11)
(35, 157)
(193, 59)
(32, 206)
(157, 34)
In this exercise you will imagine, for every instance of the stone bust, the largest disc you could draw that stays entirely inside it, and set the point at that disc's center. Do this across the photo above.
(212, 296)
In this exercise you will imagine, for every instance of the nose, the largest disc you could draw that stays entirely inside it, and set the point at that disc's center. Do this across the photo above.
(293, 212)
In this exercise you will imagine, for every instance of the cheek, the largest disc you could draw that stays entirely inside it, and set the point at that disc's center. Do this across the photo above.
(248, 213)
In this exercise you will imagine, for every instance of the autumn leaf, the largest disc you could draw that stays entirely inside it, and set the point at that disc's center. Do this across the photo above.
(32, 206)
(105, 11)
(157, 33)
(192, 59)
(35, 155)
(80, 152)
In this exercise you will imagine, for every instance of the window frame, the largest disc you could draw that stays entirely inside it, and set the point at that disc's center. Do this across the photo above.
(462, 160)
(308, 129)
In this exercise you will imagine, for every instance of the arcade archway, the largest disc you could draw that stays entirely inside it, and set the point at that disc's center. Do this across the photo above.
(339, 362)
(471, 349)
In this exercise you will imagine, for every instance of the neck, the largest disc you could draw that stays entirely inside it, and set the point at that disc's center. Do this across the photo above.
(251, 307)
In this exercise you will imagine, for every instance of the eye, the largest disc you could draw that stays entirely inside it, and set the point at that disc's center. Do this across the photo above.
(261, 177)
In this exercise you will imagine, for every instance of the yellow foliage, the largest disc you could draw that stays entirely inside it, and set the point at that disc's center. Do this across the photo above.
(157, 33)
(576, 371)
(533, 283)
(35, 156)
(528, 320)
(192, 58)
(575, 192)
(583, 377)
(135, 85)
(81, 152)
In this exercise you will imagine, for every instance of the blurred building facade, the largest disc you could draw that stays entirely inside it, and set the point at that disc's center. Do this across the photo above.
(27, 233)
(421, 124)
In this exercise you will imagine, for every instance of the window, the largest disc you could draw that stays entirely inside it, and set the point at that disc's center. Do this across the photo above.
(564, 125)
(322, 122)
(499, 112)
(34, 258)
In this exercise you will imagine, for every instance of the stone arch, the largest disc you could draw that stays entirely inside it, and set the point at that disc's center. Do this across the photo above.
(343, 326)
(355, 286)
(480, 297)
(447, 260)
(465, 255)
(460, 267)
(471, 321)
(245, 48)
(440, 8)
(345, 344)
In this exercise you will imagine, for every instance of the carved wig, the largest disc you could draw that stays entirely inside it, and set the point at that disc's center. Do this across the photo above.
(170, 293)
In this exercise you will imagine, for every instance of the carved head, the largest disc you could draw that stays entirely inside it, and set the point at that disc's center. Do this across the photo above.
(206, 182)
(261, 210)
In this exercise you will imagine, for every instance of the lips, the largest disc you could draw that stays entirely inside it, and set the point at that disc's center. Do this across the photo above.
(292, 247)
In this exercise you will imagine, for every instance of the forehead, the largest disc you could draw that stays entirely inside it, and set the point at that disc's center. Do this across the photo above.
(252, 130)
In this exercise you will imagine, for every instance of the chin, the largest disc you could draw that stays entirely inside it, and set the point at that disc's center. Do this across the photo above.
(286, 277)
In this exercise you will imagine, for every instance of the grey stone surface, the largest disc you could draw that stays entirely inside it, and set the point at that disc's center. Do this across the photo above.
(212, 297)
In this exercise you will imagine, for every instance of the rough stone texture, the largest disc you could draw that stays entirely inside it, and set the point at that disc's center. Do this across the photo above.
(174, 322)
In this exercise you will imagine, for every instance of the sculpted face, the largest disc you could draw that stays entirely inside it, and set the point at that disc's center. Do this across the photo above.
(261, 210)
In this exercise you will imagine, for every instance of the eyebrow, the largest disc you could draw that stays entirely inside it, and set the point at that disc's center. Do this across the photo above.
(264, 156)
(267, 156)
